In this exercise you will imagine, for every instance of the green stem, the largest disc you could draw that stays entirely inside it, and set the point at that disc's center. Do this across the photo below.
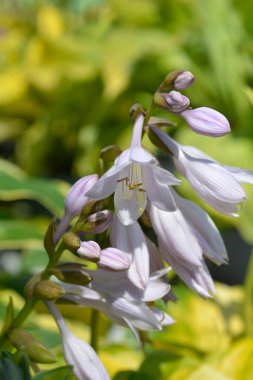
(248, 313)
(30, 304)
(94, 329)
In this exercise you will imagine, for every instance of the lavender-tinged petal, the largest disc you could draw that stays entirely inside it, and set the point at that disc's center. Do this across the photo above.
(241, 175)
(106, 185)
(155, 290)
(192, 277)
(206, 121)
(164, 318)
(175, 233)
(163, 176)
(168, 142)
(205, 230)
(216, 186)
(158, 194)
(130, 239)
(175, 101)
(156, 261)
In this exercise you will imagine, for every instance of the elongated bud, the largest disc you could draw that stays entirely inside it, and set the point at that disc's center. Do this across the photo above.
(86, 364)
(183, 80)
(206, 121)
(75, 199)
(89, 250)
(71, 241)
(95, 223)
(114, 259)
(48, 290)
(173, 101)
(36, 351)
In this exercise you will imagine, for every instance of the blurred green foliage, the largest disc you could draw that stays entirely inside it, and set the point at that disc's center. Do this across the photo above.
(69, 72)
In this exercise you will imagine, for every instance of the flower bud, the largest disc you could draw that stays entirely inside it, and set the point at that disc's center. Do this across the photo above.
(48, 290)
(206, 121)
(95, 223)
(36, 351)
(72, 273)
(114, 259)
(89, 250)
(183, 80)
(173, 101)
(71, 241)
(75, 199)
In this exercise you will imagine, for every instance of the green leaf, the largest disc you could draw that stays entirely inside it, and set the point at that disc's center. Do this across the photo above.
(22, 234)
(16, 185)
(61, 373)
(9, 370)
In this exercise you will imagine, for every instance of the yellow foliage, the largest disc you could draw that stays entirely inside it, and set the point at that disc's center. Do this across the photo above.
(13, 85)
(50, 22)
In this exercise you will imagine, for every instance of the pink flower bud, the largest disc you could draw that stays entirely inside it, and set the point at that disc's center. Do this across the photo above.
(89, 250)
(183, 80)
(114, 259)
(75, 199)
(173, 101)
(206, 121)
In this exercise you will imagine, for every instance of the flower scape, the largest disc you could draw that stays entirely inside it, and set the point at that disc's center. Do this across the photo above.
(134, 227)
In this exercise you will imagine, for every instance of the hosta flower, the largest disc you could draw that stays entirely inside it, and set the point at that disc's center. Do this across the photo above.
(217, 184)
(118, 298)
(134, 177)
(184, 237)
(86, 364)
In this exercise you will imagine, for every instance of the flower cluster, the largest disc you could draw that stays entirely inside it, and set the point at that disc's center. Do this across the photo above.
(131, 272)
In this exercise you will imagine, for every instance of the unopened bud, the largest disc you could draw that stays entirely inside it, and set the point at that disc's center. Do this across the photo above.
(110, 153)
(206, 121)
(76, 199)
(71, 241)
(36, 351)
(183, 80)
(173, 101)
(114, 259)
(48, 290)
(95, 223)
(89, 250)
(29, 288)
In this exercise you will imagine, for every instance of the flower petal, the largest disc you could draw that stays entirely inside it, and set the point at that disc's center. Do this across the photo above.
(107, 183)
(129, 204)
(130, 239)
(174, 232)
(241, 175)
(205, 230)
(160, 195)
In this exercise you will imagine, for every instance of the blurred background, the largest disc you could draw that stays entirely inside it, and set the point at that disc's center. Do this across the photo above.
(69, 72)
